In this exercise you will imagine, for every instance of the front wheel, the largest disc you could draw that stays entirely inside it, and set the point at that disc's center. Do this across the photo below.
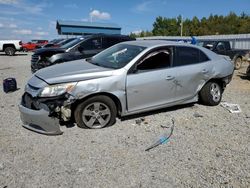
(9, 51)
(211, 94)
(237, 63)
(96, 112)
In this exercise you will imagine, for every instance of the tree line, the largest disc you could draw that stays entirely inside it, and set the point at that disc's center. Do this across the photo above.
(213, 25)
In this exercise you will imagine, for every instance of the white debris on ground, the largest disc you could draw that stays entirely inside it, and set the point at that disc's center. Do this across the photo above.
(233, 108)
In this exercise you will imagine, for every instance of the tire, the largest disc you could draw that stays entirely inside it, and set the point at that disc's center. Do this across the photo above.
(237, 63)
(96, 112)
(10, 51)
(248, 71)
(211, 94)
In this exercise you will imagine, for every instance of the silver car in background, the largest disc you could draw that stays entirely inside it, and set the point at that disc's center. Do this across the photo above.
(128, 78)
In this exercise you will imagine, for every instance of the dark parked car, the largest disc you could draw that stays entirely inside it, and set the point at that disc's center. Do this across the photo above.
(79, 48)
(57, 43)
(248, 69)
(224, 48)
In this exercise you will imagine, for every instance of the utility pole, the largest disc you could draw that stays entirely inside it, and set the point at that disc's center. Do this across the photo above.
(181, 26)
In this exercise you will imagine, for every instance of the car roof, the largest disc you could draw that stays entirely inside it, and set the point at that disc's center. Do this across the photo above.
(105, 35)
(153, 43)
(160, 43)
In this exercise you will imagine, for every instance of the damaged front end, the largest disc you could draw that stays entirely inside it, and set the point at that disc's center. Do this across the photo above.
(45, 114)
(41, 62)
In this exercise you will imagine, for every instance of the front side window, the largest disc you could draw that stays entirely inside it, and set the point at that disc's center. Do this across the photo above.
(157, 59)
(188, 56)
(116, 56)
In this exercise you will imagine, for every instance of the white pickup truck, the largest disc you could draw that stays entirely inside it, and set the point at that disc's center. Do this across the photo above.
(10, 46)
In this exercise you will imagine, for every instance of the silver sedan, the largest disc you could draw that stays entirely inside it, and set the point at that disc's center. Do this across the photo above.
(128, 78)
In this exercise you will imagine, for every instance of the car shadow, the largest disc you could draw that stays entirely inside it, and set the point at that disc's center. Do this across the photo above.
(153, 112)
(243, 76)
(72, 124)
(13, 91)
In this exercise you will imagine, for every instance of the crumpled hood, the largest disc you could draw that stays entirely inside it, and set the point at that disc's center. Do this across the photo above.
(72, 71)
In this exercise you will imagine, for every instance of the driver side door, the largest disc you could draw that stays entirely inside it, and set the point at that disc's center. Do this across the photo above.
(148, 85)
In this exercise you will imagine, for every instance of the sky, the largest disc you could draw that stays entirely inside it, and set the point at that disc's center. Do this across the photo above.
(36, 19)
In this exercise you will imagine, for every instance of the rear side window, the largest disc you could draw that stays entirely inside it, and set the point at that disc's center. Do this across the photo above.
(188, 56)
(203, 57)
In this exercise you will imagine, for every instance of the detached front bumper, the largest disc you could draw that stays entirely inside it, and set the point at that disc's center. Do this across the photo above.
(39, 121)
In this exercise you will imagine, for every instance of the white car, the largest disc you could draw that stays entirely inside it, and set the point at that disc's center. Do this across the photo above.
(10, 46)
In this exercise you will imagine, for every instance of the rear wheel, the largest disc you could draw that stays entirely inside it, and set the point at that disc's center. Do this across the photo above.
(96, 112)
(237, 63)
(248, 71)
(10, 51)
(211, 94)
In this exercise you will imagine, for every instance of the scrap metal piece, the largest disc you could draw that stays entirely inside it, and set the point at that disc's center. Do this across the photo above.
(163, 139)
(65, 113)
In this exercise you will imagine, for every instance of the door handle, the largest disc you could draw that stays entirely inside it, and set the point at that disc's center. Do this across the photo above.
(204, 71)
(170, 77)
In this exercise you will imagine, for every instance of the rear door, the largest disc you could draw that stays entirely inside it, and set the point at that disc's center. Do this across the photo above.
(192, 68)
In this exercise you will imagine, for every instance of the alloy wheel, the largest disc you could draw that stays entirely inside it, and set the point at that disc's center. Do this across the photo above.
(215, 92)
(96, 115)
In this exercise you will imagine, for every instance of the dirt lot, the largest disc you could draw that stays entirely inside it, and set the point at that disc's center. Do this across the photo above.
(208, 151)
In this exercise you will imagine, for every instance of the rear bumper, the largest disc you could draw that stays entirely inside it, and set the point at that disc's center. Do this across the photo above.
(39, 121)
(227, 80)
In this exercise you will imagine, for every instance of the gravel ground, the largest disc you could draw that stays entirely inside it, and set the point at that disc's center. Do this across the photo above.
(209, 146)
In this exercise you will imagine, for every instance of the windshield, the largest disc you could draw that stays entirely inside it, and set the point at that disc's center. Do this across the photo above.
(72, 43)
(65, 41)
(117, 56)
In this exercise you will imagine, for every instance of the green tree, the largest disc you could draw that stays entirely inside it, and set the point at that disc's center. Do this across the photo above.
(214, 24)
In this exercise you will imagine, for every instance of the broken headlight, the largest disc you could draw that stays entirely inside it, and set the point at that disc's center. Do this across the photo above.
(56, 90)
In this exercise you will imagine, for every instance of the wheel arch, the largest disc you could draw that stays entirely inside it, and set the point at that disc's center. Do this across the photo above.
(219, 81)
(237, 56)
(8, 45)
(110, 95)
(206, 97)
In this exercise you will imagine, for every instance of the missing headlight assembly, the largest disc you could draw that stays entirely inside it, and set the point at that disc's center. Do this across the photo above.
(44, 109)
